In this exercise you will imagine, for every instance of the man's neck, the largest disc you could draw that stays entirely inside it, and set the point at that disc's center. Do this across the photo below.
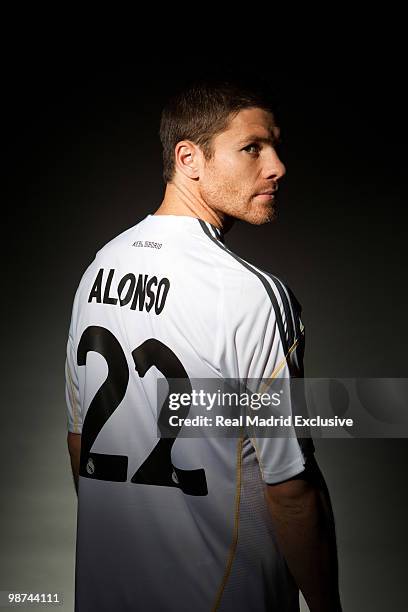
(180, 201)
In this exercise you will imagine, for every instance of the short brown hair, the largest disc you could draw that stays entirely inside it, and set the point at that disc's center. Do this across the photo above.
(203, 109)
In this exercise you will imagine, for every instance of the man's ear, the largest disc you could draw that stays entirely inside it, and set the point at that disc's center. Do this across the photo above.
(188, 157)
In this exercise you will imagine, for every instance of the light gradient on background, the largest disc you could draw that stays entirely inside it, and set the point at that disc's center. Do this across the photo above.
(86, 166)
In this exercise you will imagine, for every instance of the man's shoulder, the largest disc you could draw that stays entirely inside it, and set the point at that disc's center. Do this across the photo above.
(254, 296)
(124, 238)
(106, 254)
(241, 276)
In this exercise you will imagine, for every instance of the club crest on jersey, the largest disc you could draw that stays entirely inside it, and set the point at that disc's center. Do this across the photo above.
(90, 466)
(141, 291)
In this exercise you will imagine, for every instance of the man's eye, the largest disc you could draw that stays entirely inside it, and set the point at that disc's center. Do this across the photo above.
(252, 148)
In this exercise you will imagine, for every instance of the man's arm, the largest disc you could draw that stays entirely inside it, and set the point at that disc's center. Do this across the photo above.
(304, 522)
(74, 447)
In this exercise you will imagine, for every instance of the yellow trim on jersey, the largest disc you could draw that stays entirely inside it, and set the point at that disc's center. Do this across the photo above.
(234, 543)
(263, 390)
(257, 454)
(280, 365)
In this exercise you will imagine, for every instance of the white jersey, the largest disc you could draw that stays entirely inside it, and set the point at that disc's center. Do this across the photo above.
(176, 524)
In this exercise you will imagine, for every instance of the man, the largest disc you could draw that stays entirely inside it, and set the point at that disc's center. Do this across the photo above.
(210, 523)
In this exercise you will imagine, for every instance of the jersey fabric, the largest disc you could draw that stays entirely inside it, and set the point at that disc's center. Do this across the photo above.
(177, 525)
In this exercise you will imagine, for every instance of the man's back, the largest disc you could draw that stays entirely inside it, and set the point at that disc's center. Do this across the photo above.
(176, 524)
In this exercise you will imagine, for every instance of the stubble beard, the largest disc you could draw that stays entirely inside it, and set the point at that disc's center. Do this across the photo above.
(262, 213)
(224, 198)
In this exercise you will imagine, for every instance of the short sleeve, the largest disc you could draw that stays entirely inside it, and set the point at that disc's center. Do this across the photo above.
(74, 418)
(268, 343)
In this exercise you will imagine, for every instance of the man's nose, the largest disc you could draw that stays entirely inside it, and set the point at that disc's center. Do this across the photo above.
(274, 168)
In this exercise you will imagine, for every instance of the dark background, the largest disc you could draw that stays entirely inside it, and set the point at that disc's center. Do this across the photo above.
(84, 163)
